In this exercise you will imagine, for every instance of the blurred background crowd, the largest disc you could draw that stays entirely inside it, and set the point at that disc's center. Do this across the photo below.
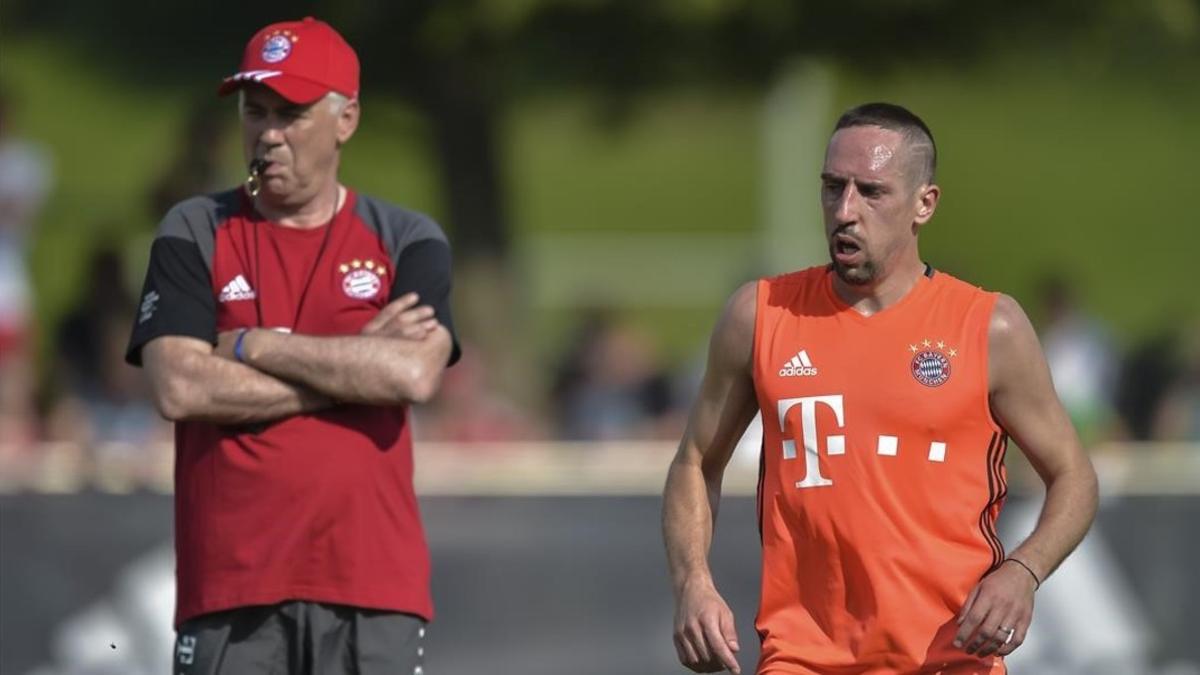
(608, 172)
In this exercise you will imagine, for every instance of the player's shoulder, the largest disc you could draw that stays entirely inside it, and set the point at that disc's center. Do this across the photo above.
(199, 216)
(1013, 346)
(1009, 321)
(396, 225)
(743, 304)
(733, 335)
(737, 317)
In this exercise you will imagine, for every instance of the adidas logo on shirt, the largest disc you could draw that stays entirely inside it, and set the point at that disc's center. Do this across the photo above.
(798, 366)
(237, 289)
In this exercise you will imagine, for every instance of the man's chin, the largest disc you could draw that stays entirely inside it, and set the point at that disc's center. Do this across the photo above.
(858, 275)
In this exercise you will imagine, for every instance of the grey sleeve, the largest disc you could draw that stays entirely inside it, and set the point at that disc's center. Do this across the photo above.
(424, 267)
(421, 258)
(177, 297)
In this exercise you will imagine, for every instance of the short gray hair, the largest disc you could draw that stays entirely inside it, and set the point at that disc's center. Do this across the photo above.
(337, 102)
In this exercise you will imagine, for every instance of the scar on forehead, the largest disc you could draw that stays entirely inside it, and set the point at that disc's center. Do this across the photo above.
(880, 156)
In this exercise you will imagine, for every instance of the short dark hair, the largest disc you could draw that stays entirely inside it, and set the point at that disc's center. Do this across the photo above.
(901, 120)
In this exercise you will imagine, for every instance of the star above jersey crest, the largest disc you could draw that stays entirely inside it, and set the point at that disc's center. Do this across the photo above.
(939, 345)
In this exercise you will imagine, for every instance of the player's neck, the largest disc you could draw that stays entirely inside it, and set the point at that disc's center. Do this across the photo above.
(311, 214)
(883, 292)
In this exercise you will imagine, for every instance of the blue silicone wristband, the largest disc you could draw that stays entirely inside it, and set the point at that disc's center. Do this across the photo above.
(237, 346)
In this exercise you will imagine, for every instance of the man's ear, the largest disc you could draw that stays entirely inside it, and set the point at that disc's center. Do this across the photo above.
(927, 201)
(347, 121)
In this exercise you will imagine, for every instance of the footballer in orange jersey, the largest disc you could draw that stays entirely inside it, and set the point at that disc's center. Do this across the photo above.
(888, 392)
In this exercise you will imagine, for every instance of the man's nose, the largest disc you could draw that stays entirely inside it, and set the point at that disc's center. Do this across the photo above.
(271, 134)
(847, 205)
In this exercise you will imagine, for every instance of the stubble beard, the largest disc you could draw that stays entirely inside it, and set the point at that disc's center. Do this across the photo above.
(860, 275)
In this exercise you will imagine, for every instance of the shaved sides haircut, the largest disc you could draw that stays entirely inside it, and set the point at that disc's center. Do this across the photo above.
(903, 121)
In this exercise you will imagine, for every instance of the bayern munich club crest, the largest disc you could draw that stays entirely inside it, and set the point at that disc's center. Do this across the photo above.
(931, 362)
(278, 46)
(362, 279)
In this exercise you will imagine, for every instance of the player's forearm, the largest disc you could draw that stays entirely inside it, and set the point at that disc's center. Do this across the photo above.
(367, 369)
(689, 515)
(1067, 514)
(204, 387)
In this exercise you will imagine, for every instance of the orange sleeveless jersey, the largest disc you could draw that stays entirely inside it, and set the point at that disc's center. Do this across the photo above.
(882, 476)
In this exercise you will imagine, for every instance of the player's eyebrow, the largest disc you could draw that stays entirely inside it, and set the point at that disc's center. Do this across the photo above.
(827, 177)
(878, 185)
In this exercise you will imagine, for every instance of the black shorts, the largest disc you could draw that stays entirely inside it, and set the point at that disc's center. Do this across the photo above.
(301, 638)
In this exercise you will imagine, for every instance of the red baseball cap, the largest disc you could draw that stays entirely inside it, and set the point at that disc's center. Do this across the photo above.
(301, 60)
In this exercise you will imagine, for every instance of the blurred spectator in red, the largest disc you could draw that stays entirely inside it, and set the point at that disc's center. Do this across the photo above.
(1177, 417)
(467, 408)
(101, 399)
(1082, 360)
(25, 179)
(610, 385)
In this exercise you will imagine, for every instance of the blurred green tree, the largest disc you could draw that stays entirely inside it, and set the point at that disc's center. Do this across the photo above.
(461, 62)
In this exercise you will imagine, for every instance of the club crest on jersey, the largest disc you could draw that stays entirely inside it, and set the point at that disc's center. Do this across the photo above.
(931, 362)
(278, 46)
(362, 279)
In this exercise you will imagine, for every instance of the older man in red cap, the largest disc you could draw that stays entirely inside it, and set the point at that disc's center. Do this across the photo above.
(286, 326)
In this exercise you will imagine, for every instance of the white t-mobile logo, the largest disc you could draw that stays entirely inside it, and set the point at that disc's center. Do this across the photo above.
(886, 446)
(834, 445)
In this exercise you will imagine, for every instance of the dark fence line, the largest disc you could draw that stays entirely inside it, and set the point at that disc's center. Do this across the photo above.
(522, 584)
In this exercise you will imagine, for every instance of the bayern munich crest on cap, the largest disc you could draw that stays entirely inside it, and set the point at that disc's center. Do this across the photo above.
(277, 48)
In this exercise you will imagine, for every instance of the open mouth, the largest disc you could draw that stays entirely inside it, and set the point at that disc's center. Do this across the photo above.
(846, 249)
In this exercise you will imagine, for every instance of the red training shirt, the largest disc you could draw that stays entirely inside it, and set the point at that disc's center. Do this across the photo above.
(316, 507)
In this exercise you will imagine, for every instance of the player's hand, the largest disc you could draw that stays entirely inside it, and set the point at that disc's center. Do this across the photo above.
(1000, 603)
(403, 318)
(705, 637)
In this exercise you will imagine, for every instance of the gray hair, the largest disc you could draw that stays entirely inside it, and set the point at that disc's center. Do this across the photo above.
(337, 102)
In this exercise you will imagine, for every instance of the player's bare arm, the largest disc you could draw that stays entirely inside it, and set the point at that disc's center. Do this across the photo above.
(1023, 400)
(705, 636)
(189, 382)
(377, 368)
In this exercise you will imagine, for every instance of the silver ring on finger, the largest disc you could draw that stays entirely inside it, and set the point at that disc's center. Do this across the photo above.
(1011, 632)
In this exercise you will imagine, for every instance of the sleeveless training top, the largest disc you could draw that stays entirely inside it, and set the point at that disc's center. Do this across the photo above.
(882, 475)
